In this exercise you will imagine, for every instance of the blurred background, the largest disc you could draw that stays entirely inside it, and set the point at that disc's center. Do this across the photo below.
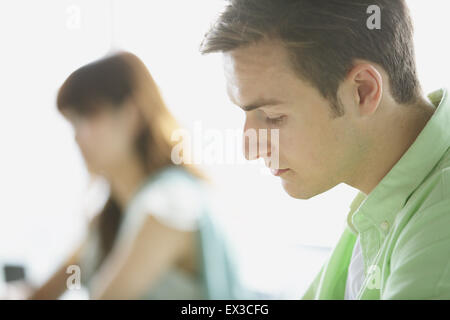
(45, 195)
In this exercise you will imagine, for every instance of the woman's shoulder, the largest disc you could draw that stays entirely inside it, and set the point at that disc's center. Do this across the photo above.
(172, 183)
(174, 196)
(175, 173)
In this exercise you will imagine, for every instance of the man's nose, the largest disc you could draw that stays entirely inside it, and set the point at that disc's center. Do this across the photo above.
(256, 141)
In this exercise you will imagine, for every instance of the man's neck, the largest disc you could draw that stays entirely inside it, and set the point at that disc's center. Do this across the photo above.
(395, 135)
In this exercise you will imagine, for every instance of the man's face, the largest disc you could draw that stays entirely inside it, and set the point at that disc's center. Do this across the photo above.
(318, 150)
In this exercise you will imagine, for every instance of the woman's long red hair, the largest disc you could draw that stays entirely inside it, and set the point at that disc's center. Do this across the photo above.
(116, 78)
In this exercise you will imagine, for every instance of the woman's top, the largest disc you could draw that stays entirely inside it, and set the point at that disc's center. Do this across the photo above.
(176, 199)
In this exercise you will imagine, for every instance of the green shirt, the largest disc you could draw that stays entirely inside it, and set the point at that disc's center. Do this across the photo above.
(404, 224)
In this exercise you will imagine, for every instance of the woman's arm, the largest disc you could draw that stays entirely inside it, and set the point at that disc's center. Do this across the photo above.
(55, 286)
(134, 265)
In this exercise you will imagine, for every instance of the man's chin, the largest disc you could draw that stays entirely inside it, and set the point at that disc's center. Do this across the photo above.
(296, 191)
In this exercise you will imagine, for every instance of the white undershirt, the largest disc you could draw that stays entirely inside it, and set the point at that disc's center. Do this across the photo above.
(355, 276)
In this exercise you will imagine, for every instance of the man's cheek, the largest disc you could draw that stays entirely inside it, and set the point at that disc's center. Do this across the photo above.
(289, 144)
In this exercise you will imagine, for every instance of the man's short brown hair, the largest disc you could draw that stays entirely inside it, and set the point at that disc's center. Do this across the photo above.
(323, 37)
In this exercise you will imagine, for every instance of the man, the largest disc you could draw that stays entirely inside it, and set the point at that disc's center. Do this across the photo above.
(349, 108)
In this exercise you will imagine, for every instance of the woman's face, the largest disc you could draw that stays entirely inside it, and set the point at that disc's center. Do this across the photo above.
(107, 137)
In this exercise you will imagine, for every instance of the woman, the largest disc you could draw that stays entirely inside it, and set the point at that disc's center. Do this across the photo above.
(145, 241)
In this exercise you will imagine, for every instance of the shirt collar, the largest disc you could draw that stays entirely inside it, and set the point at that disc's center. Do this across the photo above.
(378, 209)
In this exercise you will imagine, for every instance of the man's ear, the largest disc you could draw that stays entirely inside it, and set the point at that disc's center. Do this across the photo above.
(367, 87)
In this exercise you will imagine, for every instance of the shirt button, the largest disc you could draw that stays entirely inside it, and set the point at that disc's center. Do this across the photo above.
(384, 225)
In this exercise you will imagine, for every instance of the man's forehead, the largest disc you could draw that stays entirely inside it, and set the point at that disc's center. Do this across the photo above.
(255, 70)
(242, 87)
(255, 59)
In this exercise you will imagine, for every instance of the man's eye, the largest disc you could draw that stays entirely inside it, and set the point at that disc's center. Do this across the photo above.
(275, 121)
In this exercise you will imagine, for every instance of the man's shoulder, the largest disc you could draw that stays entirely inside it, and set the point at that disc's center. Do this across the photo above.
(429, 210)
(420, 260)
(436, 187)
(428, 221)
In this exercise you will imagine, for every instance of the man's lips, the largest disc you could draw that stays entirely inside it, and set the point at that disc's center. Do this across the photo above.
(278, 172)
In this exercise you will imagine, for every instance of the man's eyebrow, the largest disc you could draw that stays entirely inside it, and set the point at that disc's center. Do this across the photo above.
(259, 104)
